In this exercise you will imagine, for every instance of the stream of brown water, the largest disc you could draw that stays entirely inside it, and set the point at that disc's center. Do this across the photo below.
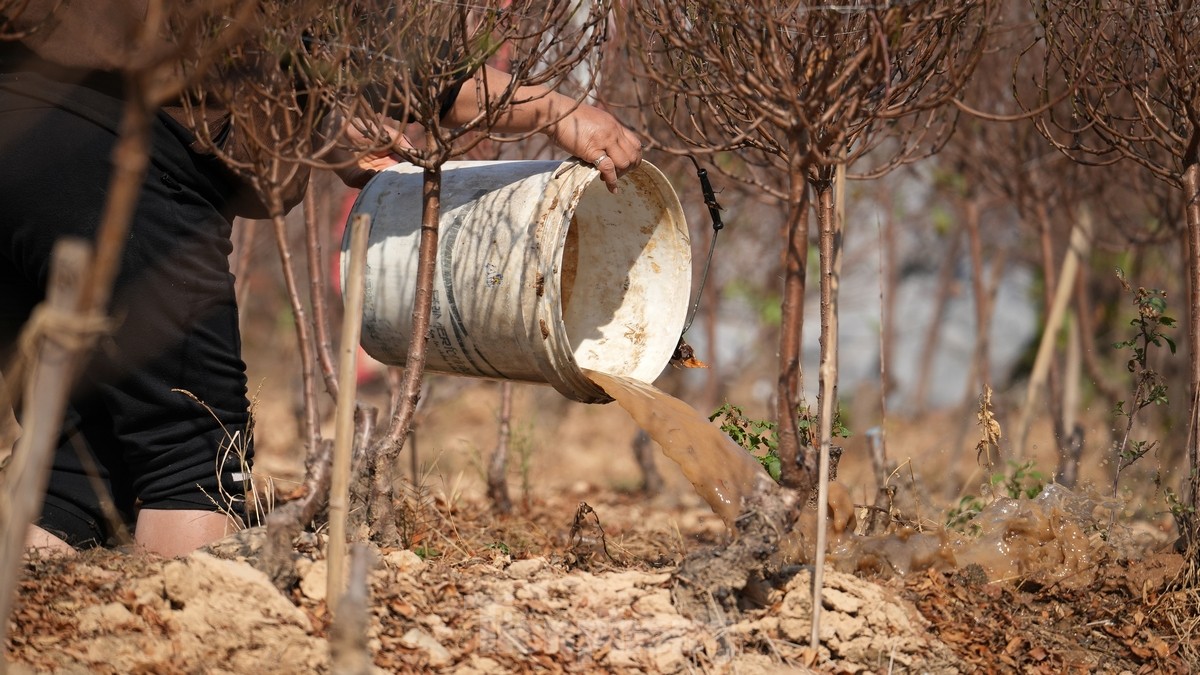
(721, 471)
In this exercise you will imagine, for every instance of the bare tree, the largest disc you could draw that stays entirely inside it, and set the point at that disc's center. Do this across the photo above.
(311, 85)
(1139, 103)
(276, 89)
(778, 95)
(546, 42)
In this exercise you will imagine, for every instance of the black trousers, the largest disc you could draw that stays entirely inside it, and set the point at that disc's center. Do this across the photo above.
(127, 427)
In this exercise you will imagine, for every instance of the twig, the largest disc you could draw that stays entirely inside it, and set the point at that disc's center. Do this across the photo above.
(317, 291)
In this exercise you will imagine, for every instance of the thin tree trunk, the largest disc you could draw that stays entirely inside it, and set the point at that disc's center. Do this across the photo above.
(795, 469)
(318, 290)
(890, 279)
(1191, 195)
(311, 422)
(877, 437)
(643, 452)
(711, 394)
(1071, 447)
(497, 469)
(945, 285)
(883, 495)
(381, 505)
(76, 313)
(343, 439)
(1053, 384)
(130, 157)
(349, 644)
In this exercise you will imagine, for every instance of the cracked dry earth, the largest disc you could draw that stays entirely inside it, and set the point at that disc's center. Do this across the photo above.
(546, 591)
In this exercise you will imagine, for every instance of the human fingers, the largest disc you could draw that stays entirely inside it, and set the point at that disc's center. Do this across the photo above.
(620, 153)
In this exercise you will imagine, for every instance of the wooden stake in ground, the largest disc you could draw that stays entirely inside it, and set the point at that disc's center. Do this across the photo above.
(1081, 236)
(59, 335)
(343, 438)
(349, 653)
(830, 221)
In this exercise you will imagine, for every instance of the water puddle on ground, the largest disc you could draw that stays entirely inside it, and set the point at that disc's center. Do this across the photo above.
(1052, 537)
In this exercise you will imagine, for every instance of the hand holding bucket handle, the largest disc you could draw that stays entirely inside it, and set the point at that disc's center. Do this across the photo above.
(601, 140)
(610, 172)
(583, 130)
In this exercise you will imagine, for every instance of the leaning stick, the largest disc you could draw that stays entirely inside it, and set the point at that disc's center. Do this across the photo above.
(59, 334)
(343, 434)
(1081, 235)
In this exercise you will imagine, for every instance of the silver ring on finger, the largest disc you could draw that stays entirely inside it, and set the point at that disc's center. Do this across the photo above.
(603, 156)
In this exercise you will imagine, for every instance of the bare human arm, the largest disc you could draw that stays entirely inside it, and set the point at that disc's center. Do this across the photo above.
(583, 130)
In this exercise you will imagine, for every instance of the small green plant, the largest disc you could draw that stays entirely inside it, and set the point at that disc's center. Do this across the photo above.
(761, 437)
(1149, 387)
(1021, 481)
(959, 518)
(758, 437)
(1185, 521)
(426, 552)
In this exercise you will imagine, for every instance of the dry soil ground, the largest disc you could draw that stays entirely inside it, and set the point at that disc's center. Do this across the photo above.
(580, 578)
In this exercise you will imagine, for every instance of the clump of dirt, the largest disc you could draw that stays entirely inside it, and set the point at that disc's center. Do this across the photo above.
(106, 612)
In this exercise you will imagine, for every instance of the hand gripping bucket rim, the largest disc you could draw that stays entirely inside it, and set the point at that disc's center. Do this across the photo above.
(541, 272)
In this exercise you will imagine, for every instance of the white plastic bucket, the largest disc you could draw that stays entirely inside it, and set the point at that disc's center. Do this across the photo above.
(541, 272)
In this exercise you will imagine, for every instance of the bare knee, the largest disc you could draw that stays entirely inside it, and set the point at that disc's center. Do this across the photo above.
(45, 543)
(172, 533)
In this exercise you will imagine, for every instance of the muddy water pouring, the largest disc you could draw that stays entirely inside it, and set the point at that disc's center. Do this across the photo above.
(721, 471)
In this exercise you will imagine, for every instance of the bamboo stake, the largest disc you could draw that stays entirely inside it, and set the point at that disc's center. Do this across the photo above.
(60, 335)
(1081, 235)
(349, 651)
(343, 438)
(831, 267)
